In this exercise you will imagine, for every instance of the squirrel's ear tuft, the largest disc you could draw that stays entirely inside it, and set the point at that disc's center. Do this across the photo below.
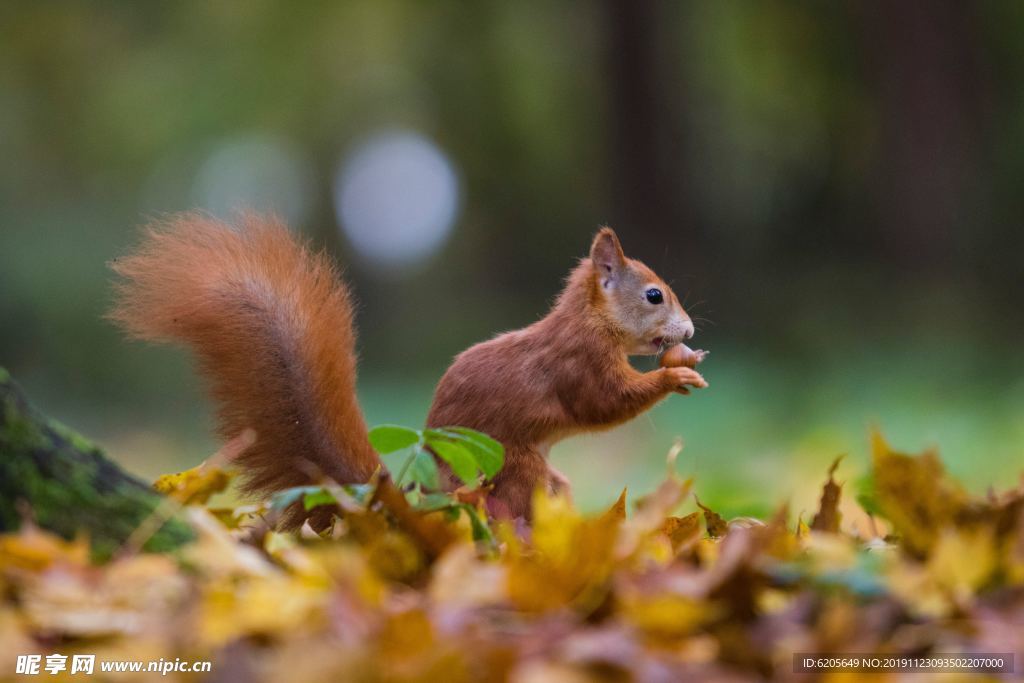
(606, 253)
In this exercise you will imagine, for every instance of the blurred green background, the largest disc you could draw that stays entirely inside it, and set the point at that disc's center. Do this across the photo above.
(833, 187)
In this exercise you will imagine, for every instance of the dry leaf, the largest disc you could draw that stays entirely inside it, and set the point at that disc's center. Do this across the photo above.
(194, 486)
(682, 530)
(828, 516)
(716, 525)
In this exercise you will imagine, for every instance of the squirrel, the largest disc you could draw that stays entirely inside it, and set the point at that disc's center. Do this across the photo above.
(270, 323)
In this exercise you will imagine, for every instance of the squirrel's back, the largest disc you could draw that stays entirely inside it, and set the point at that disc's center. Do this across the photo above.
(271, 327)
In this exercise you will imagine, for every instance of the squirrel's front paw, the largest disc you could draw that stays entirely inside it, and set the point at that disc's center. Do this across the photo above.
(682, 378)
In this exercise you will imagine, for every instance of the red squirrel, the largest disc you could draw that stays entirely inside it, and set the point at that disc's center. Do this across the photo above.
(271, 326)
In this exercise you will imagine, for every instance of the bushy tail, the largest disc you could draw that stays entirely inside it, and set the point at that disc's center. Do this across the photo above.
(270, 324)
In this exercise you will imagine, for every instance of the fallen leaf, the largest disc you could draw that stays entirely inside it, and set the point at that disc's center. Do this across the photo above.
(914, 493)
(194, 486)
(828, 516)
(716, 525)
(681, 530)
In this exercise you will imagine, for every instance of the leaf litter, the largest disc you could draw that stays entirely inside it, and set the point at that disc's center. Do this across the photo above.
(400, 585)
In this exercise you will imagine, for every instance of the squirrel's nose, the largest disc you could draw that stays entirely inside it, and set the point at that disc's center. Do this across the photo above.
(687, 329)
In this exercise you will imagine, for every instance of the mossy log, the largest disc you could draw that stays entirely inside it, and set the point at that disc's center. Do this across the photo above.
(67, 485)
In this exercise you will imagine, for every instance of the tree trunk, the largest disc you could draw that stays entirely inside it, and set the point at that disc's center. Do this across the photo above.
(67, 485)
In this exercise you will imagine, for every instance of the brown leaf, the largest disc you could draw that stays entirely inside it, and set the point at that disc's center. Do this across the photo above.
(828, 516)
(650, 514)
(618, 510)
(681, 530)
(914, 493)
(429, 534)
(716, 525)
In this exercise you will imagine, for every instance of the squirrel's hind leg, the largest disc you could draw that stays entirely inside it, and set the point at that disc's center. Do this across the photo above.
(525, 469)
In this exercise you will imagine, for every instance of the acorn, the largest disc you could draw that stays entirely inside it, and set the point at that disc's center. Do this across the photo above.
(680, 355)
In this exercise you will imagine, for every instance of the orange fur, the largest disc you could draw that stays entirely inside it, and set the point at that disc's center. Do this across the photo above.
(271, 326)
(566, 374)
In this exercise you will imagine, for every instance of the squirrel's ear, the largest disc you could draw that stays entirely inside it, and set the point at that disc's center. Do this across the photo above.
(606, 254)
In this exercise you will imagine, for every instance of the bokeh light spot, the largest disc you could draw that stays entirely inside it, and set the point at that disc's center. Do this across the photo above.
(397, 198)
(257, 172)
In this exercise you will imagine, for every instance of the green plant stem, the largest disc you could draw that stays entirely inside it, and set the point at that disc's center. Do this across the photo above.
(405, 468)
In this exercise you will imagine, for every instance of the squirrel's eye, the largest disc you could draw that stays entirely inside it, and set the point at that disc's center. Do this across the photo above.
(654, 295)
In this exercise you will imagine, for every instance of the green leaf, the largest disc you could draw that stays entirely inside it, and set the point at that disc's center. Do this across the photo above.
(360, 492)
(317, 498)
(395, 461)
(458, 457)
(866, 494)
(285, 498)
(481, 532)
(423, 470)
(489, 454)
(390, 438)
(435, 501)
(413, 496)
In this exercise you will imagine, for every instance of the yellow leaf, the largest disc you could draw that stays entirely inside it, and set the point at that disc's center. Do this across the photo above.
(14, 637)
(772, 601)
(914, 494)
(194, 486)
(555, 522)
(682, 530)
(34, 549)
(394, 556)
(650, 514)
(461, 579)
(128, 597)
(618, 509)
(216, 552)
(570, 561)
(917, 589)
(963, 560)
(666, 616)
(1013, 553)
(259, 605)
(409, 648)
(827, 553)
